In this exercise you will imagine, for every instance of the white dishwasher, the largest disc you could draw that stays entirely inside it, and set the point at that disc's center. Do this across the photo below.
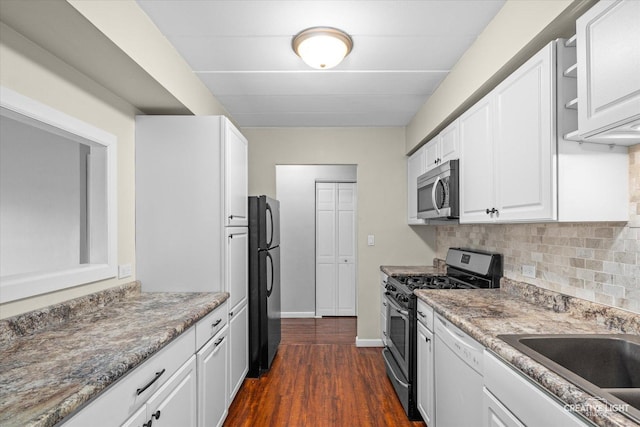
(458, 375)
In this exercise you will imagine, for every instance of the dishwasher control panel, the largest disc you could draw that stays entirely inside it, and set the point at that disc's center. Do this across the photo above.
(465, 347)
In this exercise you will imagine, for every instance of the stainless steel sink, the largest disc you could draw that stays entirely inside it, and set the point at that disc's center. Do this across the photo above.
(606, 365)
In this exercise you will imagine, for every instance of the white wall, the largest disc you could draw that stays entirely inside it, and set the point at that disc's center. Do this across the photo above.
(28, 69)
(520, 29)
(296, 191)
(379, 154)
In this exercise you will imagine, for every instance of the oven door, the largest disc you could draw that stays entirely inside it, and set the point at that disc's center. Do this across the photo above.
(398, 328)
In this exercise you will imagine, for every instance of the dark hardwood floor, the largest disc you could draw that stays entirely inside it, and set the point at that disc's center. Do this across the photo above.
(320, 378)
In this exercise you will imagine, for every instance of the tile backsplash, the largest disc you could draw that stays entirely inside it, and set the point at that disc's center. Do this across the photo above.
(595, 261)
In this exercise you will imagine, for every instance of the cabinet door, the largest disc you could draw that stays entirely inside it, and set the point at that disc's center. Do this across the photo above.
(608, 50)
(236, 280)
(432, 154)
(476, 163)
(213, 384)
(416, 166)
(175, 403)
(495, 414)
(426, 384)
(525, 143)
(449, 143)
(235, 167)
(139, 419)
(238, 348)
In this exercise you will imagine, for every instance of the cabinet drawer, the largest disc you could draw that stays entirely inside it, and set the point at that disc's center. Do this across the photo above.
(210, 325)
(525, 400)
(425, 314)
(122, 399)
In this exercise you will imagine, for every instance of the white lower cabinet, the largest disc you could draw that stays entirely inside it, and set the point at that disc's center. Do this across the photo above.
(139, 419)
(175, 403)
(213, 385)
(495, 414)
(426, 384)
(510, 399)
(238, 348)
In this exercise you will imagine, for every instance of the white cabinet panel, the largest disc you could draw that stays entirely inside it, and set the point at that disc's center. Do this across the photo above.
(495, 414)
(138, 419)
(526, 401)
(608, 51)
(426, 383)
(416, 166)
(236, 253)
(524, 141)
(449, 143)
(431, 154)
(476, 162)
(238, 349)
(191, 176)
(236, 187)
(175, 403)
(508, 148)
(213, 383)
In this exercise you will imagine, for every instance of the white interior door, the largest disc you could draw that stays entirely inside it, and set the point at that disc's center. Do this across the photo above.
(335, 249)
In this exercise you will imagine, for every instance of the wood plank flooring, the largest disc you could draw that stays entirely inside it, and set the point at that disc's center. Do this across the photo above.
(320, 378)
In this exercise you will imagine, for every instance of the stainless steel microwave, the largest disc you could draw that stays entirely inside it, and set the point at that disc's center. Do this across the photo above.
(438, 192)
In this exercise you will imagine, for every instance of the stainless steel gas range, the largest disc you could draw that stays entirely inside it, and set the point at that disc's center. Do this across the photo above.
(466, 269)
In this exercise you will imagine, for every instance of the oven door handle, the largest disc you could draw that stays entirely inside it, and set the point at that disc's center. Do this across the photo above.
(433, 194)
(397, 308)
(402, 383)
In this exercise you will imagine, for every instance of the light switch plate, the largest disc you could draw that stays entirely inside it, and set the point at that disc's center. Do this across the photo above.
(529, 271)
(371, 240)
(124, 270)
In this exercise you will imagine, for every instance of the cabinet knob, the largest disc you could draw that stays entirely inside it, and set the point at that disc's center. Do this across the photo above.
(156, 415)
(427, 339)
(148, 424)
(492, 211)
(231, 314)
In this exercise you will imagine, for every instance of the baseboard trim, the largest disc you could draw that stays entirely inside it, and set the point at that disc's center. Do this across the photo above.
(297, 314)
(368, 343)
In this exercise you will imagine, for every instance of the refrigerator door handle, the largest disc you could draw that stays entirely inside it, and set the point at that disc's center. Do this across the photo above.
(270, 285)
(269, 213)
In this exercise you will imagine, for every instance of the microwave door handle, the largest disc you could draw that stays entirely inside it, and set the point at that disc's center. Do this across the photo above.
(433, 195)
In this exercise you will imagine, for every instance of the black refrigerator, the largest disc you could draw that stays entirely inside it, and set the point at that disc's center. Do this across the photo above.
(264, 283)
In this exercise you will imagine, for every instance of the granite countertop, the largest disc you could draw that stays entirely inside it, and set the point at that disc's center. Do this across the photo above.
(410, 270)
(56, 359)
(520, 308)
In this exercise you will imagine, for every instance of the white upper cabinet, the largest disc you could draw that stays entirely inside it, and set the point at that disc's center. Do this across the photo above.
(524, 141)
(608, 53)
(191, 183)
(236, 190)
(443, 147)
(476, 163)
(416, 166)
(440, 149)
(448, 140)
(508, 148)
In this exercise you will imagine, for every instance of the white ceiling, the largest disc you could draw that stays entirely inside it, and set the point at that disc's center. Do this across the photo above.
(241, 49)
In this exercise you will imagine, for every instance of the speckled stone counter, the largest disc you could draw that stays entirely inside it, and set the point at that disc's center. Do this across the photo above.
(521, 308)
(437, 268)
(54, 360)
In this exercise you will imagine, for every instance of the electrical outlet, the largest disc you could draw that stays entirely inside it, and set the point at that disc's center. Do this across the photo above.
(529, 271)
(124, 270)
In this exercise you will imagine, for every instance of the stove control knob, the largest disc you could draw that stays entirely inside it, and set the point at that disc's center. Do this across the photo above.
(390, 287)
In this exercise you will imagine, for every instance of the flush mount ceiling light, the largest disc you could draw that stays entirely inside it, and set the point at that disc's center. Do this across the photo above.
(322, 47)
